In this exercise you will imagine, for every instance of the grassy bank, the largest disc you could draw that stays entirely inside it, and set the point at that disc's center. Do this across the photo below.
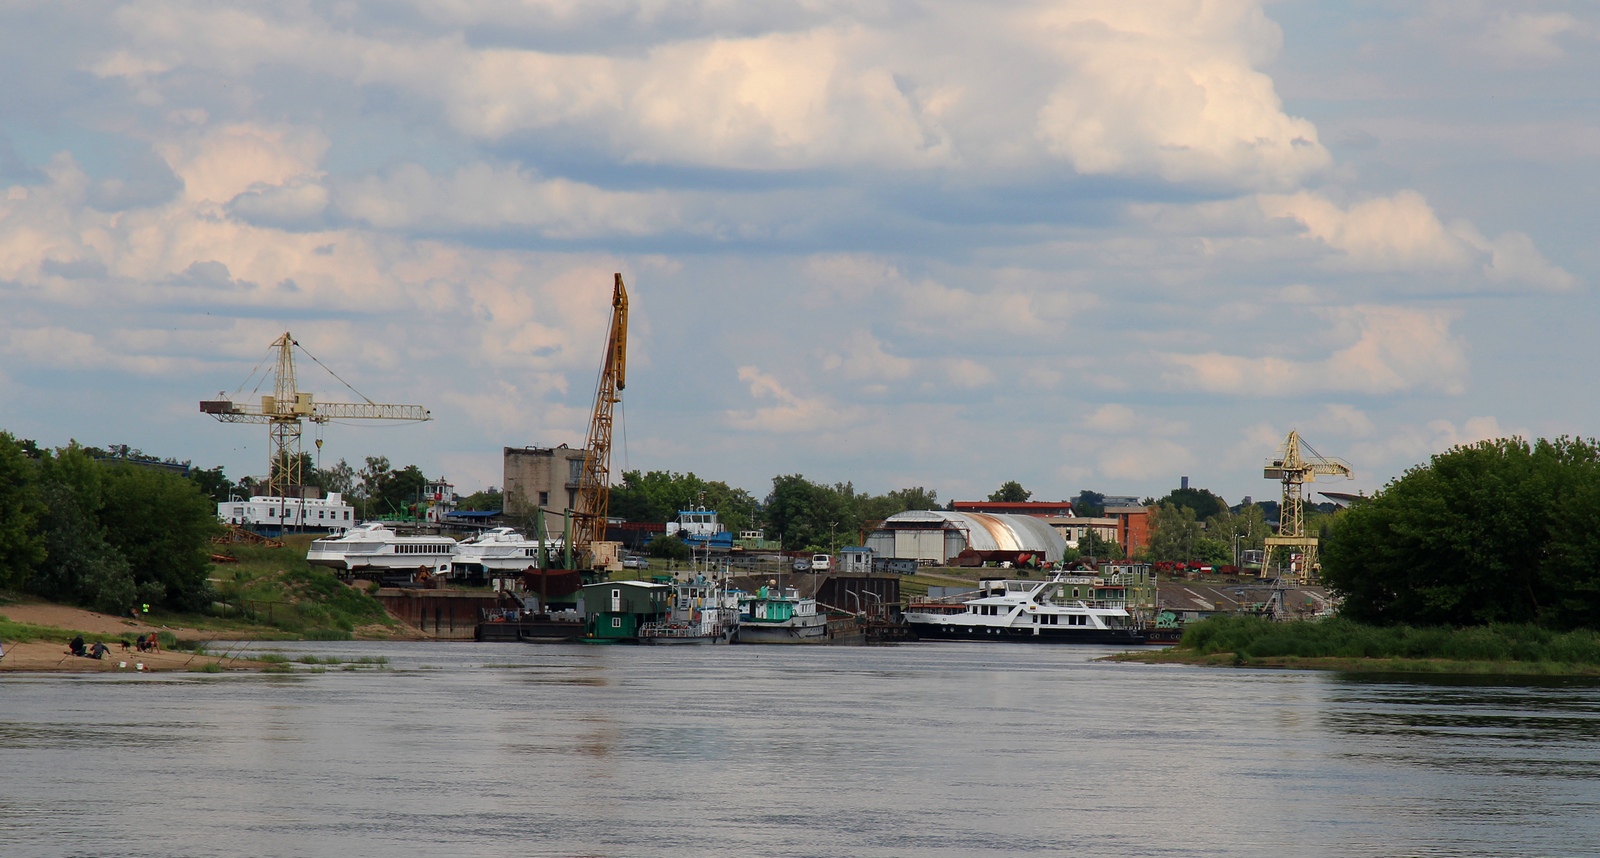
(274, 591)
(1339, 644)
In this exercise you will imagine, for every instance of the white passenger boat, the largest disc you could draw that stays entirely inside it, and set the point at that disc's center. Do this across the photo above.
(701, 611)
(374, 552)
(1023, 610)
(499, 551)
(774, 615)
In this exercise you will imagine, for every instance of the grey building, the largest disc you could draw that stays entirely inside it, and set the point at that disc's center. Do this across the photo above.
(544, 477)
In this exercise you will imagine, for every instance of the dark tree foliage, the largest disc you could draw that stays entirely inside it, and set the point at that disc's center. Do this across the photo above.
(80, 565)
(1496, 532)
(658, 496)
(1202, 501)
(1089, 504)
(488, 500)
(162, 524)
(213, 482)
(20, 544)
(1010, 491)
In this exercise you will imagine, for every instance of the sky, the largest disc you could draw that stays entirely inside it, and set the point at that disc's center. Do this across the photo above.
(1086, 244)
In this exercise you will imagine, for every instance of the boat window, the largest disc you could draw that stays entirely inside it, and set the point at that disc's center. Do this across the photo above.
(616, 622)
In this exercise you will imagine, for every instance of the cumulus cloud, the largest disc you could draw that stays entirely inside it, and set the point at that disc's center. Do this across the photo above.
(1396, 349)
(1170, 89)
(1167, 89)
(1401, 232)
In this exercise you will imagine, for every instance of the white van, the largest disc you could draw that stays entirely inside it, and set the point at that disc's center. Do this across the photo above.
(821, 563)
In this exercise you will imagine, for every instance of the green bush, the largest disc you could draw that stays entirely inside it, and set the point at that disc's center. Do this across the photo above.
(1254, 637)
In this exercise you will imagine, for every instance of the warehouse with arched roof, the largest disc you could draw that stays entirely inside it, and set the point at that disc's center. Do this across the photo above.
(945, 537)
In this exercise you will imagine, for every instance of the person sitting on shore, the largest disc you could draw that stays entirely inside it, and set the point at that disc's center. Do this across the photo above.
(142, 644)
(99, 650)
(153, 643)
(76, 646)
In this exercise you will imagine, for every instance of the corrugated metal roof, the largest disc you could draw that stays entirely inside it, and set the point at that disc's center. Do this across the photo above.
(986, 532)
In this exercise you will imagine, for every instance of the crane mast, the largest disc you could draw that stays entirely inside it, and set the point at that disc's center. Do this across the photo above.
(1294, 469)
(285, 413)
(594, 485)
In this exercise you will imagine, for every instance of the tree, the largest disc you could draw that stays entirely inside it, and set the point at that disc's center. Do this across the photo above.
(485, 501)
(213, 482)
(339, 478)
(1010, 491)
(1089, 504)
(1246, 528)
(1174, 533)
(658, 496)
(399, 491)
(81, 566)
(1497, 532)
(162, 525)
(1203, 502)
(872, 508)
(1094, 545)
(21, 547)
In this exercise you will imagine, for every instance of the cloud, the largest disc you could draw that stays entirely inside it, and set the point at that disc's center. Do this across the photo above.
(789, 413)
(1396, 349)
(1167, 89)
(1400, 232)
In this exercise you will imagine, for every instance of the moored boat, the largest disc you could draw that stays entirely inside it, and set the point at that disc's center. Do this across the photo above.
(700, 611)
(780, 615)
(500, 551)
(1024, 611)
(373, 552)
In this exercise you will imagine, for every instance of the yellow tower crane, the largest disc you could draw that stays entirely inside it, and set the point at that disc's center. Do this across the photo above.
(594, 485)
(286, 409)
(1295, 465)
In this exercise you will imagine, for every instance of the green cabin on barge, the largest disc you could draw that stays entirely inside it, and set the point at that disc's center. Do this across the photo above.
(613, 611)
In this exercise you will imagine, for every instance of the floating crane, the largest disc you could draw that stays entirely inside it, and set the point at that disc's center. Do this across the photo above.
(1295, 465)
(594, 484)
(286, 409)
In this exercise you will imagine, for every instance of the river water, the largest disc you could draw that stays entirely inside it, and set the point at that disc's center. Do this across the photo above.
(946, 749)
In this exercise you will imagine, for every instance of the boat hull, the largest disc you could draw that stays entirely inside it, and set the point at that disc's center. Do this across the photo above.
(530, 631)
(812, 629)
(951, 632)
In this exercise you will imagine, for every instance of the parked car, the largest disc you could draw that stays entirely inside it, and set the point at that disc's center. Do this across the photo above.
(821, 562)
(802, 565)
(635, 563)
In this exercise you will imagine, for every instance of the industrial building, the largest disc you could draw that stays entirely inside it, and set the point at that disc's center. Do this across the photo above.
(542, 477)
(966, 538)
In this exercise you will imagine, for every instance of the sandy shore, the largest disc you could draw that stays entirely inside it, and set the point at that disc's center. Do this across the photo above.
(42, 656)
(45, 656)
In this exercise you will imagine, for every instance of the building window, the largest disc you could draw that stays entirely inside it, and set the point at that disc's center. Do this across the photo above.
(544, 499)
(574, 470)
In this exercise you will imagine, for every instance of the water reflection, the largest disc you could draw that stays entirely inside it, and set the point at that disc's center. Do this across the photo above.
(949, 749)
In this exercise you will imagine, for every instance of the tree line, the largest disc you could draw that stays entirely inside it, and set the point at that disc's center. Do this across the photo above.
(109, 532)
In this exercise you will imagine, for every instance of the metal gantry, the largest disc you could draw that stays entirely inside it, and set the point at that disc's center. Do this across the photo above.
(1296, 464)
(286, 411)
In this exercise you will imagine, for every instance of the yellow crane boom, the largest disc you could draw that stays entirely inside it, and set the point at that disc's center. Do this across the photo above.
(594, 485)
(1296, 464)
(286, 409)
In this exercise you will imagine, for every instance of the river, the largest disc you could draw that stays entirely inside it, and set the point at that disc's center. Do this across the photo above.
(946, 749)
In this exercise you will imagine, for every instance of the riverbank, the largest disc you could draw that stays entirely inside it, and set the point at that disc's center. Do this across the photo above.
(1343, 645)
(34, 635)
(1434, 666)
